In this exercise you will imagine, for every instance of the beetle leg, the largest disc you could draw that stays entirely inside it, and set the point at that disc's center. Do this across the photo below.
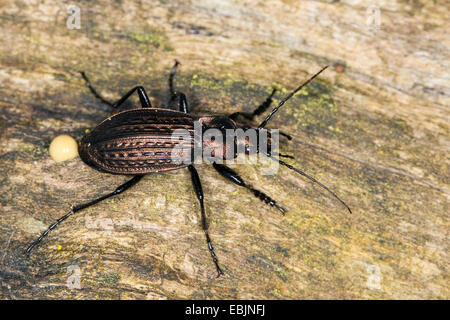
(232, 175)
(288, 136)
(171, 76)
(145, 101)
(79, 207)
(286, 156)
(183, 106)
(199, 192)
(183, 103)
(259, 110)
(93, 91)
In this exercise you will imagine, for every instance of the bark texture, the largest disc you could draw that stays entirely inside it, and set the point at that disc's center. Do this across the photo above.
(374, 127)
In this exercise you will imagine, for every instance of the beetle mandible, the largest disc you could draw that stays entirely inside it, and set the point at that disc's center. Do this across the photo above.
(139, 141)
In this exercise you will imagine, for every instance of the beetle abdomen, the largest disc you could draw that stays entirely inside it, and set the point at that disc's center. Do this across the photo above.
(139, 141)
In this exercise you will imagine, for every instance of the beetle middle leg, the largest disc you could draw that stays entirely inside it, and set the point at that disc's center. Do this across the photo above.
(232, 175)
(182, 102)
(199, 192)
(82, 206)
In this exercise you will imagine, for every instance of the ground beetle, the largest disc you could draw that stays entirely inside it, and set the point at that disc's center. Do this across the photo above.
(138, 142)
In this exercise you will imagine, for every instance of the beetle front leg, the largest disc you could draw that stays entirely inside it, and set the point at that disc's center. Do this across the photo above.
(259, 110)
(199, 192)
(93, 91)
(79, 207)
(232, 175)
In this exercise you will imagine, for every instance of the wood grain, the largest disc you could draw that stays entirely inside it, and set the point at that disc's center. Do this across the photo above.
(374, 128)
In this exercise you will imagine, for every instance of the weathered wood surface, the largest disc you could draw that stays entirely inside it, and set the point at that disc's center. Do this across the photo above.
(375, 128)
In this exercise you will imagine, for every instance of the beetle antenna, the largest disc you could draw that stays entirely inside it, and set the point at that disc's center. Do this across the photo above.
(310, 178)
(263, 124)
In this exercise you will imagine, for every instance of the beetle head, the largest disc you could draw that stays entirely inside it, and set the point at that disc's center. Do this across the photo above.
(261, 140)
(219, 140)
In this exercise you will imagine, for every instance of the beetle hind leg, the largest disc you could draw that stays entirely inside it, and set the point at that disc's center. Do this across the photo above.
(79, 207)
(145, 101)
(93, 91)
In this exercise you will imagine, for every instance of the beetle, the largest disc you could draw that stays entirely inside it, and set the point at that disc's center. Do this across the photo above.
(139, 141)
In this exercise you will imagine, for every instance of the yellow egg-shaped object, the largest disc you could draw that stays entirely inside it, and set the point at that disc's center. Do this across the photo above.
(63, 148)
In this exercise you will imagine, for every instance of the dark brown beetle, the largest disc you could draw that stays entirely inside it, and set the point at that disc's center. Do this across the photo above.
(141, 141)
